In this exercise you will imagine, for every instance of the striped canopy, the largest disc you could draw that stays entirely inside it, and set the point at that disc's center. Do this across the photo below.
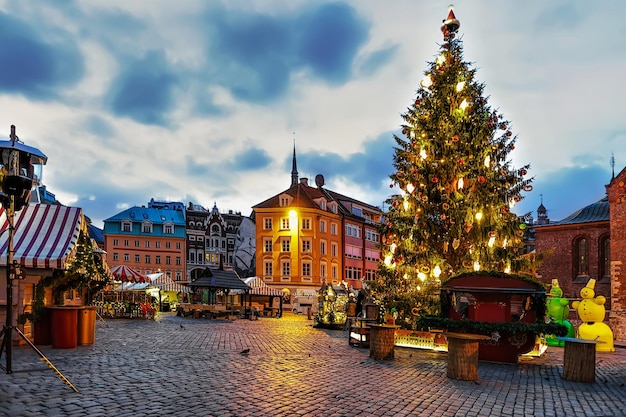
(126, 273)
(45, 235)
(259, 287)
(164, 283)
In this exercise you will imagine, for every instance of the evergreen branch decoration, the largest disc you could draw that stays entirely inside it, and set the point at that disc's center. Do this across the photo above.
(486, 328)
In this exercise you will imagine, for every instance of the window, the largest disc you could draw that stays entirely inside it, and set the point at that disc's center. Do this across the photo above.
(146, 227)
(147, 244)
(323, 247)
(372, 236)
(157, 244)
(372, 255)
(136, 243)
(333, 228)
(168, 229)
(286, 268)
(179, 276)
(178, 260)
(168, 260)
(126, 257)
(323, 270)
(127, 226)
(137, 258)
(177, 245)
(333, 249)
(353, 230)
(267, 224)
(126, 242)
(323, 204)
(157, 259)
(323, 226)
(167, 245)
(267, 267)
(147, 259)
(353, 252)
(306, 269)
(604, 257)
(370, 274)
(333, 272)
(284, 201)
(115, 242)
(357, 211)
(116, 256)
(306, 245)
(581, 257)
(267, 245)
(353, 272)
(192, 257)
(285, 245)
(306, 224)
(284, 223)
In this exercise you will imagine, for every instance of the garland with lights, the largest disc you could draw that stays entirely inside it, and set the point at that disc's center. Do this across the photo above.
(487, 328)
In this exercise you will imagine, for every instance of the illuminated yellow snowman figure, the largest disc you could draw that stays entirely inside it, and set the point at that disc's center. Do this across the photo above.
(591, 312)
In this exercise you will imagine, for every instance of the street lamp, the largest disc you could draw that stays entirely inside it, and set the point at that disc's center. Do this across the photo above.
(20, 170)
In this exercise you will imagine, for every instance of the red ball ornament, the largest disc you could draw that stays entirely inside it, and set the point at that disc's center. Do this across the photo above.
(404, 131)
(512, 147)
(509, 133)
(482, 179)
(461, 162)
(435, 180)
(418, 102)
(524, 172)
(505, 209)
(390, 185)
(455, 138)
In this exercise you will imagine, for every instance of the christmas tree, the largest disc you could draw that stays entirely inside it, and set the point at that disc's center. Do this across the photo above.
(456, 188)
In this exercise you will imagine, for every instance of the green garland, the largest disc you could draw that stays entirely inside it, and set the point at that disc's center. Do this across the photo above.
(482, 327)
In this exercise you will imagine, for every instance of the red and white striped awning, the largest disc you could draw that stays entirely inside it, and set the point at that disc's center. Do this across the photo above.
(45, 235)
(259, 287)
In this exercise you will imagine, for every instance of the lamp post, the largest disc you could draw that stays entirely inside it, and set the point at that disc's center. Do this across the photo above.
(20, 170)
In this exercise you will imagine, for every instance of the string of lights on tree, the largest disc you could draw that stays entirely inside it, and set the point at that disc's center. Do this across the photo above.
(456, 187)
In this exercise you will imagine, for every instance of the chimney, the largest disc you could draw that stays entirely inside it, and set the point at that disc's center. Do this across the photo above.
(304, 181)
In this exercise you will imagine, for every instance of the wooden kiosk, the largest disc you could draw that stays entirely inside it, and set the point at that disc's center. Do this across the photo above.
(496, 298)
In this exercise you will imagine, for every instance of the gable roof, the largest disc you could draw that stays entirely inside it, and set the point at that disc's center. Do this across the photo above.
(220, 278)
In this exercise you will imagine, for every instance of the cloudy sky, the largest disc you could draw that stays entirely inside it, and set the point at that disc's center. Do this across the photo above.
(202, 100)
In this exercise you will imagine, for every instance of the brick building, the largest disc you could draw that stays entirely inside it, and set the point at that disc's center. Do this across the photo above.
(590, 244)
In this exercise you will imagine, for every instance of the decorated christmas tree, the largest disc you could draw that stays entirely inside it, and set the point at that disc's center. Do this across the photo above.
(456, 188)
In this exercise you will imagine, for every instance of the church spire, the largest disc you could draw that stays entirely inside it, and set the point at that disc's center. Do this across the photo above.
(294, 166)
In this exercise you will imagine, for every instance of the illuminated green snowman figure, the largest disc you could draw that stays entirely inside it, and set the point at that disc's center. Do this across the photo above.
(558, 310)
(591, 312)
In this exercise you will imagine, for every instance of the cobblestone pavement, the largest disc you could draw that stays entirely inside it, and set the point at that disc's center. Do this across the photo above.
(176, 366)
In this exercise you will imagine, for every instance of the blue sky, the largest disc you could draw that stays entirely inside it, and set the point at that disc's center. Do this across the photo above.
(202, 100)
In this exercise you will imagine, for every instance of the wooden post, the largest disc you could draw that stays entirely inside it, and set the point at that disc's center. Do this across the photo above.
(463, 356)
(382, 341)
(579, 360)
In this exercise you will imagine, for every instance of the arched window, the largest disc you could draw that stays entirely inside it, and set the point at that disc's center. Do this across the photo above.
(581, 257)
(604, 257)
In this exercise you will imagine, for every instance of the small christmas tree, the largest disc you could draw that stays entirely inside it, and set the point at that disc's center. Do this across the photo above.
(456, 188)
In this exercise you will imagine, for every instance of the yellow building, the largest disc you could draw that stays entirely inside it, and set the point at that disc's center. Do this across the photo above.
(307, 236)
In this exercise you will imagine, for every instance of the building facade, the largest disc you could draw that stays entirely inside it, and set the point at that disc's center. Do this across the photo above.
(307, 236)
(211, 238)
(148, 239)
(590, 244)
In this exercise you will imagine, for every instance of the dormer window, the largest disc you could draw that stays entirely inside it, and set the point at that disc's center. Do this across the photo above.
(168, 229)
(323, 204)
(285, 200)
(127, 226)
(146, 227)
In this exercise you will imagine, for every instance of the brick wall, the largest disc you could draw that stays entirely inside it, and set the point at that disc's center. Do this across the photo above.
(617, 201)
(559, 264)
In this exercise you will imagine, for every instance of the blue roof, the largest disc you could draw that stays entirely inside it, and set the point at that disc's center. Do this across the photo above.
(596, 212)
(138, 215)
